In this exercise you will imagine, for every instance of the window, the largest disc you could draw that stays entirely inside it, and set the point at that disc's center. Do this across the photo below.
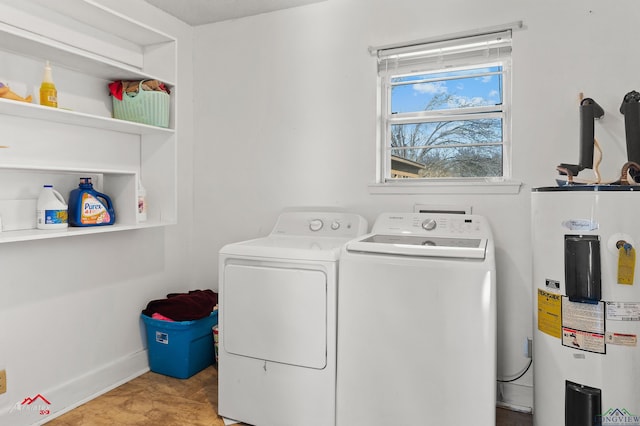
(445, 109)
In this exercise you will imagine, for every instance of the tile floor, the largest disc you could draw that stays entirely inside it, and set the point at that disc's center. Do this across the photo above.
(153, 399)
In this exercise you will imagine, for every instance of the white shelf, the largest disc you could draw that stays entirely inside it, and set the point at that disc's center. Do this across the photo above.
(95, 15)
(33, 45)
(42, 234)
(65, 170)
(82, 37)
(58, 115)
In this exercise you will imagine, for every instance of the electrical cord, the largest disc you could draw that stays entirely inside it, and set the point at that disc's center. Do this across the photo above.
(596, 166)
(519, 375)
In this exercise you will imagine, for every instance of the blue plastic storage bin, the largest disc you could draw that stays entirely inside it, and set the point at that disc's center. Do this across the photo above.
(182, 348)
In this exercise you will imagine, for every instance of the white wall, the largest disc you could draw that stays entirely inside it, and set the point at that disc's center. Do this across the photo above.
(70, 307)
(285, 115)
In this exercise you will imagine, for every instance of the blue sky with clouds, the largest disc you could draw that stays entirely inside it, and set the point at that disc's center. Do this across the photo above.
(464, 89)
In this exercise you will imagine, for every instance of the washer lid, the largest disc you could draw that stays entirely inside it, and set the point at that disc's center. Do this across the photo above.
(422, 246)
(289, 247)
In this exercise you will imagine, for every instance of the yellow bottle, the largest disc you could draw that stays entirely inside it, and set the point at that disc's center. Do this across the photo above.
(48, 92)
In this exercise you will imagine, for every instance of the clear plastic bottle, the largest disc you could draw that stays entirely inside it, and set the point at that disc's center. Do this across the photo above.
(48, 92)
(142, 202)
(51, 209)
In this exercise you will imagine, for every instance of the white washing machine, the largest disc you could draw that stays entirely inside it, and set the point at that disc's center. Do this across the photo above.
(277, 323)
(417, 323)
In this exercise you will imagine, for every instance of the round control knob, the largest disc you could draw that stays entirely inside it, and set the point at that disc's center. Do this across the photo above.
(335, 225)
(429, 224)
(316, 225)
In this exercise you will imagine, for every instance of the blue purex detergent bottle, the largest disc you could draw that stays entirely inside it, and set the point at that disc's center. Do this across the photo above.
(88, 207)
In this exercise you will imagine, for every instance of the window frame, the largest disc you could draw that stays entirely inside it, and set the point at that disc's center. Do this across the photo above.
(386, 119)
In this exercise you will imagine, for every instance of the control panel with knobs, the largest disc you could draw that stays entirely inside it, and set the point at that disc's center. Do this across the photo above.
(316, 224)
(429, 224)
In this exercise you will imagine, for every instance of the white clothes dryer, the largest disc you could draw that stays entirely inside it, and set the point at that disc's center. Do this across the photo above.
(277, 321)
(417, 323)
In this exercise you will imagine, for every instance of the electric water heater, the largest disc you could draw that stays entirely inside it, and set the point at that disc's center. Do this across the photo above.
(586, 297)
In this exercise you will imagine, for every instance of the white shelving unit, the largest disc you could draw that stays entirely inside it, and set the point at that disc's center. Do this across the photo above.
(88, 46)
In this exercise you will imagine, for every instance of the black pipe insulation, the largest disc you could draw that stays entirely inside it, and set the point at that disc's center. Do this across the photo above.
(630, 107)
(589, 111)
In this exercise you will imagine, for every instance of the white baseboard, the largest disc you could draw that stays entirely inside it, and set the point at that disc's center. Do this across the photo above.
(69, 395)
(515, 397)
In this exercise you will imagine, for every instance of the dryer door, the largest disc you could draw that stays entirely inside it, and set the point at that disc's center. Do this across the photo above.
(275, 314)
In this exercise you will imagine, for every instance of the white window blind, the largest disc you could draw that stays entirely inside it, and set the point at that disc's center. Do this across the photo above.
(451, 52)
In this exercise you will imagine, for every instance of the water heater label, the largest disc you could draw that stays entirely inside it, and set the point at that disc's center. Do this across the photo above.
(623, 311)
(580, 224)
(549, 320)
(583, 326)
(583, 340)
(621, 339)
(583, 316)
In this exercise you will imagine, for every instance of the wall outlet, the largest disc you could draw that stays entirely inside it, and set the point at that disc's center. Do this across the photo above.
(527, 347)
(3, 381)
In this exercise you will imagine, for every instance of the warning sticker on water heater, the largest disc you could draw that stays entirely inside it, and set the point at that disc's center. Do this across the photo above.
(623, 311)
(583, 326)
(583, 340)
(621, 339)
(549, 320)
